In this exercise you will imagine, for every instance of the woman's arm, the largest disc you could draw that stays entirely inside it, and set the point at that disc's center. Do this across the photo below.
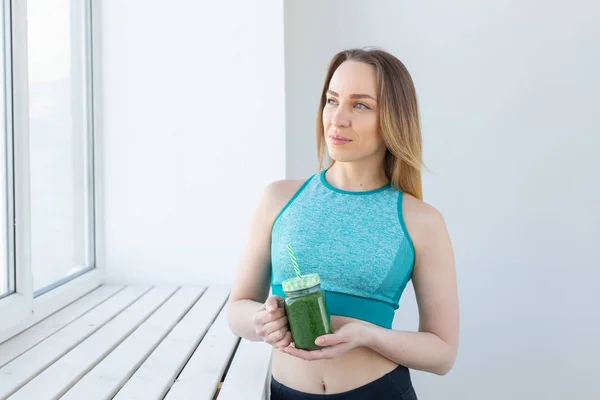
(251, 284)
(433, 348)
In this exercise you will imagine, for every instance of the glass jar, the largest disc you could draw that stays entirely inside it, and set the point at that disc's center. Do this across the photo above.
(306, 310)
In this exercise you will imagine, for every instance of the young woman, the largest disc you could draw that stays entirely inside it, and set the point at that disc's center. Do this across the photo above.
(361, 224)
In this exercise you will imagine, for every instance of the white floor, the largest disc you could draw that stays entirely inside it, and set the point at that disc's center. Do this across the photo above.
(135, 342)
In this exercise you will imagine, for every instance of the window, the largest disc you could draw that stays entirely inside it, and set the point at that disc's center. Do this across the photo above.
(7, 271)
(47, 241)
(60, 145)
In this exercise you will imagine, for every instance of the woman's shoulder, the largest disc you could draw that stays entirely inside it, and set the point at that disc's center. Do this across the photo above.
(278, 193)
(419, 209)
(422, 219)
(282, 189)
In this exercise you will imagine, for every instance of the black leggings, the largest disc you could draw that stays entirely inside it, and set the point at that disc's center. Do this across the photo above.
(395, 385)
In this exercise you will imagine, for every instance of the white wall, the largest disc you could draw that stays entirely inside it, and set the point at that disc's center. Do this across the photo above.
(193, 129)
(508, 92)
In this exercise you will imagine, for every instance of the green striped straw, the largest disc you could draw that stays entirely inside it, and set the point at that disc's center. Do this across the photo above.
(294, 262)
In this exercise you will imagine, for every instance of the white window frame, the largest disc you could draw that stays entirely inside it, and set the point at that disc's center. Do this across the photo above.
(23, 309)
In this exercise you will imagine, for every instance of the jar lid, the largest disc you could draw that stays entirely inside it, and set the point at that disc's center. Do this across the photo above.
(304, 282)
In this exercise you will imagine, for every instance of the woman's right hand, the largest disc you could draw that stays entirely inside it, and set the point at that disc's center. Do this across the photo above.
(271, 323)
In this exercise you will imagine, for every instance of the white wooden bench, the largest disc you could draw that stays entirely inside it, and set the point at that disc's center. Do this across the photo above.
(136, 342)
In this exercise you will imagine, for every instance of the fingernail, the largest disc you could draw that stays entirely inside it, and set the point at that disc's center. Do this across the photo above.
(270, 308)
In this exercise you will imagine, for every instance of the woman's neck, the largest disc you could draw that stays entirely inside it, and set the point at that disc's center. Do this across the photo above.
(352, 176)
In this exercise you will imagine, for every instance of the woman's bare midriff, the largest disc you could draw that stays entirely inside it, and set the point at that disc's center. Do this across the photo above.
(355, 368)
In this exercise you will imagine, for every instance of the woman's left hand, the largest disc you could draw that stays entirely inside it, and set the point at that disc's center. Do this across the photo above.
(349, 336)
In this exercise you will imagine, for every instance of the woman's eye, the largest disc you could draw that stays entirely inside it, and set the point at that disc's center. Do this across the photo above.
(362, 106)
(331, 101)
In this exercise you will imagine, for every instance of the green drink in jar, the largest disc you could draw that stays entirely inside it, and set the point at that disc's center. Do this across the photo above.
(306, 310)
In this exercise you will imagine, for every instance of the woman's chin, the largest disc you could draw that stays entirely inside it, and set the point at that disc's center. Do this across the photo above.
(341, 156)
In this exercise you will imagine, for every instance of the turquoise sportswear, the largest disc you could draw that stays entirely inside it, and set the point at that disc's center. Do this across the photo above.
(356, 241)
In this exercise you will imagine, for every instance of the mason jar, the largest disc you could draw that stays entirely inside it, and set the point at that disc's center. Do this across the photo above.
(306, 310)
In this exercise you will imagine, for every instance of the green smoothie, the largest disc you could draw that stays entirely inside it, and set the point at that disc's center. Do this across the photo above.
(307, 315)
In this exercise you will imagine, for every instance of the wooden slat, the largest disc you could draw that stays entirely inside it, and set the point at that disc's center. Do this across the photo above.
(247, 375)
(202, 374)
(54, 300)
(21, 370)
(64, 373)
(19, 344)
(110, 375)
(157, 374)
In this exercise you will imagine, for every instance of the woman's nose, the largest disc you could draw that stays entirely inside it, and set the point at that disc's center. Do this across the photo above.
(341, 118)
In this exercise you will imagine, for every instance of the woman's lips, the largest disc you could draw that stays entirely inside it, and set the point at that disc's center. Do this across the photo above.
(339, 140)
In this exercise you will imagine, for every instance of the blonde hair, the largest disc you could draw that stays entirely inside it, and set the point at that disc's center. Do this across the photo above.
(399, 123)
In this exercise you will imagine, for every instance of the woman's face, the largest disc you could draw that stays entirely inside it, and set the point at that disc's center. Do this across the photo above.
(350, 116)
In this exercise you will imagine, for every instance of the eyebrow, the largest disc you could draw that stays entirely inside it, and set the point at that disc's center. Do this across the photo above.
(353, 96)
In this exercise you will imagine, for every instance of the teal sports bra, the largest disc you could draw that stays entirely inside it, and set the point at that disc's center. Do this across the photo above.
(356, 241)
